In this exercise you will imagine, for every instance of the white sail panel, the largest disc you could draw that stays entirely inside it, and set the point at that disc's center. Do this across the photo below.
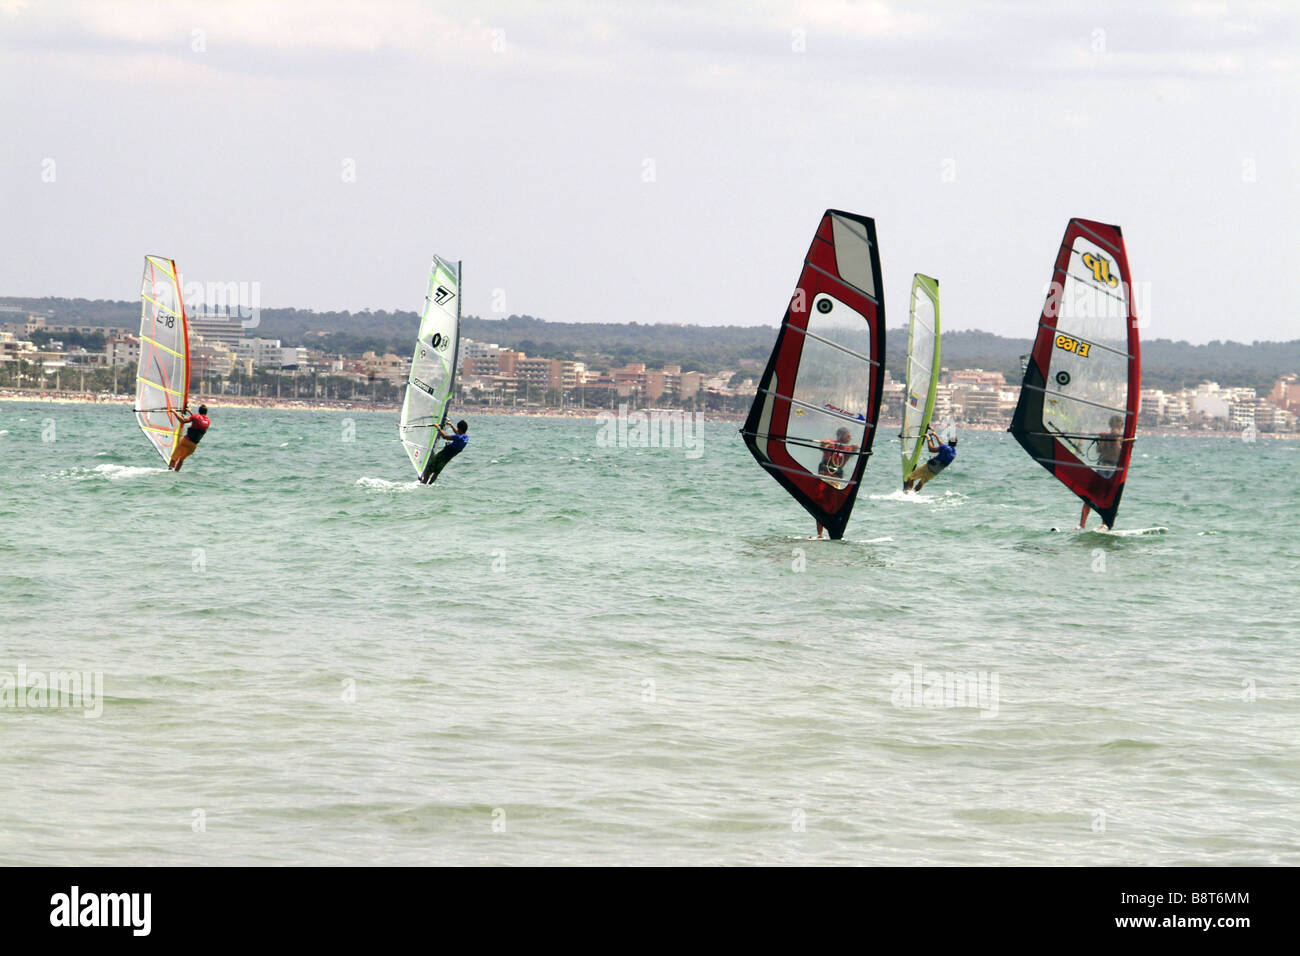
(1088, 374)
(163, 373)
(833, 388)
(432, 378)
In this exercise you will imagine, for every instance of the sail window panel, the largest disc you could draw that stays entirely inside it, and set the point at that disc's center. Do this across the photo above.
(832, 379)
(830, 319)
(1087, 380)
(813, 427)
(1093, 304)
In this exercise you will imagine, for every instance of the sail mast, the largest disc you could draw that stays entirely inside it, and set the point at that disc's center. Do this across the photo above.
(455, 354)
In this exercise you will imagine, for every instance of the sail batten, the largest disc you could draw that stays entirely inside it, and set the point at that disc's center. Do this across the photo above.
(820, 410)
(807, 444)
(1079, 400)
(796, 471)
(163, 370)
(432, 379)
(816, 407)
(834, 345)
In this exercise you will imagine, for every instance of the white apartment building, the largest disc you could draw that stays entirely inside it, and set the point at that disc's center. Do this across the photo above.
(293, 357)
(263, 353)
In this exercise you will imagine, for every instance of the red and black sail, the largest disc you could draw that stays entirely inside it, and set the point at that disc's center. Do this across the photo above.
(814, 417)
(1078, 408)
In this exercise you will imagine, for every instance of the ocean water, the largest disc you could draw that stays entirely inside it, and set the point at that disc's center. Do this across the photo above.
(567, 653)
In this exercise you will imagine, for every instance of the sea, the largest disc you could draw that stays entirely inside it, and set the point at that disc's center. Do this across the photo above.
(588, 645)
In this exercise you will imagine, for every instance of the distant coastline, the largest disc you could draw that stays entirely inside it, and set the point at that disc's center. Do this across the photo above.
(1168, 364)
(223, 401)
(322, 405)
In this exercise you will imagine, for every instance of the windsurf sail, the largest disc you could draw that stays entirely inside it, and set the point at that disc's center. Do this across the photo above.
(922, 376)
(814, 415)
(432, 378)
(1078, 408)
(162, 380)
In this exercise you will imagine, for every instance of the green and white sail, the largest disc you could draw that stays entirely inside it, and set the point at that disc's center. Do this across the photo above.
(432, 380)
(922, 368)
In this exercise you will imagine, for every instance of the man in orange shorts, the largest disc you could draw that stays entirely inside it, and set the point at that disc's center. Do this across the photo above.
(199, 424)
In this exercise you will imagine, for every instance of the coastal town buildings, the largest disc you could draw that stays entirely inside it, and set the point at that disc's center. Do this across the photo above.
(486, 369)
(225, 355)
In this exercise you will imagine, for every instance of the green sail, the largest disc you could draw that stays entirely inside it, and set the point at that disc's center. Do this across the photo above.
(922, 368)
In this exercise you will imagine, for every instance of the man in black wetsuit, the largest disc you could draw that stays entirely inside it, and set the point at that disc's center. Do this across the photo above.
(456, 442)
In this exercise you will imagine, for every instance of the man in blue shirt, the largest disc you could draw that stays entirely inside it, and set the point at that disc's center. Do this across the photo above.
(456, 442)
(944, 453)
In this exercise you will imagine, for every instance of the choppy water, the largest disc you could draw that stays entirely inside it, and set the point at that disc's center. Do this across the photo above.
(566, 653)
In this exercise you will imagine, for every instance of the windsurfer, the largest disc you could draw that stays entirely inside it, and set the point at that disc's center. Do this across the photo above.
(185, 446)
(835, 453)
(456, 442)
(944, 453)
(1108, 446)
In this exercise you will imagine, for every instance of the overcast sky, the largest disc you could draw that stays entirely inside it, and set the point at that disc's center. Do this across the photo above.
(654, 161)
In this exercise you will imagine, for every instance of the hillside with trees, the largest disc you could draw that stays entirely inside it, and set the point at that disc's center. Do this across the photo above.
(1166, 364)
